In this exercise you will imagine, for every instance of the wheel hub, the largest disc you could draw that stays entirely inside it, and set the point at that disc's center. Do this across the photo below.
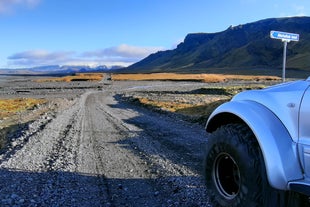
(226, 176)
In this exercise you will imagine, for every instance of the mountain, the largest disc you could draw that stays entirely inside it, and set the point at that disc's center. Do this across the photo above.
(238, 48)
(57, 70)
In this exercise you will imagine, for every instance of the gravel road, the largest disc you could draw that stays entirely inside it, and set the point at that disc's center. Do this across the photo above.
(101, 150)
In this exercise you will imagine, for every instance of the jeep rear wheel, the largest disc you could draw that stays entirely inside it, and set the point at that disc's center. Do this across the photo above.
(234, 168)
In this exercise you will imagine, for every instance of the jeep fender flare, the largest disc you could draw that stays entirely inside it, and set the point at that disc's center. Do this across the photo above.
(277, 146)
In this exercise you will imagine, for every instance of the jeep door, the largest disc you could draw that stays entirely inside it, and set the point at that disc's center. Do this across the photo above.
(304, 132)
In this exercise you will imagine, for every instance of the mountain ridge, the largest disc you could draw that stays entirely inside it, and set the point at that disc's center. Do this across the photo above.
(240, 47)
(58, 70)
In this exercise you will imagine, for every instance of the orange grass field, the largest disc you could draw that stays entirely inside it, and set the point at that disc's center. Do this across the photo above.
(198, 111)
(76, 77)
(210, 78)
(9, 107)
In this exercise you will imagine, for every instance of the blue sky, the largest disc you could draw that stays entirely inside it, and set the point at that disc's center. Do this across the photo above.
(118, 32)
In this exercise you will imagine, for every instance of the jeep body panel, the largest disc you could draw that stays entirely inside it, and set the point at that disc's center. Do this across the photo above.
(303, 185)
(283, 100)
(304, 133)
(278, 149)
(273, 114)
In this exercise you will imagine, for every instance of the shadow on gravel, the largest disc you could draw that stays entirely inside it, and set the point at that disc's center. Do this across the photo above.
(9, 134)
(166, 135)
(22, 188)
(13, 138)
(209, 91)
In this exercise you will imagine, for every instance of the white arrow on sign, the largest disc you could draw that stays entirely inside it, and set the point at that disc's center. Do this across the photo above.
(284, 36)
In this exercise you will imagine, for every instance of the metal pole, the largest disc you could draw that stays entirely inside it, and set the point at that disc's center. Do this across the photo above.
(284, 60)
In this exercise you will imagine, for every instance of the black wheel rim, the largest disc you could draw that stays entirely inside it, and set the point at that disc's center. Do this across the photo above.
(226, 176)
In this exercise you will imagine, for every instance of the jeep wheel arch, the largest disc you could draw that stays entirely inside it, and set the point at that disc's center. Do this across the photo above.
(278, 149)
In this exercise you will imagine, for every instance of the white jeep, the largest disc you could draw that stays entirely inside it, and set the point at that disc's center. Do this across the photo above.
(258, 150)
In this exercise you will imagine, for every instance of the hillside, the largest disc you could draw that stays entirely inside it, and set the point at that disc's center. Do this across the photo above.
(235, 50)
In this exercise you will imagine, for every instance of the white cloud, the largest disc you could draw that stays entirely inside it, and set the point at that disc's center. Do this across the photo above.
(9, 5)
(299, 10)
(121, 55)
(39, 57)
(291, 10)
(124, 50)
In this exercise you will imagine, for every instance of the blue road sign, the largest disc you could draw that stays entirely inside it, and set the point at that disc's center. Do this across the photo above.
(284, 36)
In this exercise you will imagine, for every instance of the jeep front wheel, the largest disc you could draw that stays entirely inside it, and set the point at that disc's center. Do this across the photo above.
(234, 168)
(226, 175)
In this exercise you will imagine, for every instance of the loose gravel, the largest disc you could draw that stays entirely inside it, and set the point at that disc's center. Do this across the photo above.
(97, 149)
(94, 147)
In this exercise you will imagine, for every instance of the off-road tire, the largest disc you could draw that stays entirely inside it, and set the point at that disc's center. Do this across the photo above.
(235, 172)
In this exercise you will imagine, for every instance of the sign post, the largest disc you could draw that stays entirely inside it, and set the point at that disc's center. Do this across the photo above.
(285, 37)
(284, 60)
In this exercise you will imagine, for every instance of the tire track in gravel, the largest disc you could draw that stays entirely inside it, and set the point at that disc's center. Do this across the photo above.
(161, 153)
(103, 151)
(175, 150)
(45, 171)
(62, 151)
(122, 173)
(89, 131)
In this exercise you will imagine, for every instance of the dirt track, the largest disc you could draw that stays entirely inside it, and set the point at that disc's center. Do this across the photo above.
(101, 150)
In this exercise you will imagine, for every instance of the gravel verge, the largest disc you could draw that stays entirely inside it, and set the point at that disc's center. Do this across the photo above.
(96, 148)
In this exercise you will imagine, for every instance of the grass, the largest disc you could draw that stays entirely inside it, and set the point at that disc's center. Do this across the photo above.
(76, 77)
(217, 95)
(179, 107)
(198, 112)
(11, 107)
(209, 78)
(14, 115)
(201, 113)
